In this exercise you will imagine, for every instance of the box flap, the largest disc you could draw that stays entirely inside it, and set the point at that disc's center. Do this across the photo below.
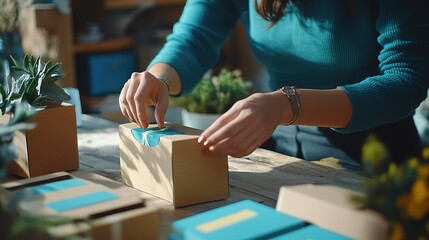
(331, 207)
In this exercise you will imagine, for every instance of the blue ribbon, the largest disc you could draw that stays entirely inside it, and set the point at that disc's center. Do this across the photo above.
(150, 136)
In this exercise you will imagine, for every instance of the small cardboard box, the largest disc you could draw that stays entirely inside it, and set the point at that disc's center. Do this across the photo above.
(331, 207)
(97, 205)
(241, 220)
(50, 147)
(175, 169)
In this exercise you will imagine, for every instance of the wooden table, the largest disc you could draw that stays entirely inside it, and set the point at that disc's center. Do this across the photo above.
(258, 176)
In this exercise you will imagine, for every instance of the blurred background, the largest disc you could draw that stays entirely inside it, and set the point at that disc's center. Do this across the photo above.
(101, 42)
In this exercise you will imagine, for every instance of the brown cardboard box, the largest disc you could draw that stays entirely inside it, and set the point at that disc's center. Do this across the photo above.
(331, 207)
(175, 170)
(50, 147)
(123, 217)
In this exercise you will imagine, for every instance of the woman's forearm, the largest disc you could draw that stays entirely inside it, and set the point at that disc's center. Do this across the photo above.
(169, 74)
(324, 108)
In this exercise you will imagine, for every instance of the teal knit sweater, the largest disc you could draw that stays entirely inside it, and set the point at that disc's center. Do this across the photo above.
(377, 51)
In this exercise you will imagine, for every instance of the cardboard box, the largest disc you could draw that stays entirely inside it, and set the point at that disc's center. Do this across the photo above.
(331, 207)
(175, 169)
(48, 148)
(99, 206)
(241, 220)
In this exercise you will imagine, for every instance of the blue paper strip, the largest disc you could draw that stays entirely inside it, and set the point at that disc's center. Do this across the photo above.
(81, 201)
(150, 136)
(236, 222)
(312, 232)
(58, 186)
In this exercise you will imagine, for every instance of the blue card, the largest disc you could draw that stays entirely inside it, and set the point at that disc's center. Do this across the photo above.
(312, 232)
(81, 201)
(242, 220)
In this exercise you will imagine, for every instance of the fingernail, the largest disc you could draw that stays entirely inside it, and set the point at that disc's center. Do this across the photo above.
(200, 139)
(206, 143)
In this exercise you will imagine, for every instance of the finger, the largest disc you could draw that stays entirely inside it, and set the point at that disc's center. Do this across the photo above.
(134, 83)
(160, 110)
(219, 123)
(140, 110)
(237, 143)
(123, 104)
(233, 127)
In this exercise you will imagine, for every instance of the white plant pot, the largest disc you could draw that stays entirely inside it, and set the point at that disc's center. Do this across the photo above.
(174, 114)
(198, 120)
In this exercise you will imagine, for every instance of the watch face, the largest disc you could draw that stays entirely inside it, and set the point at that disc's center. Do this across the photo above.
(288, 90)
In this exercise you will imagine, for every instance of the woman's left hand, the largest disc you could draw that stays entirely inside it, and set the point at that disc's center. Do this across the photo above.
(247, 125)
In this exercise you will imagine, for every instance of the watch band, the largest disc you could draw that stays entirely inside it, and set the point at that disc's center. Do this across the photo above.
(292, 94)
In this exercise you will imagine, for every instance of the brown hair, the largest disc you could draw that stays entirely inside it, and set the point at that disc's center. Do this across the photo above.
(271, 10)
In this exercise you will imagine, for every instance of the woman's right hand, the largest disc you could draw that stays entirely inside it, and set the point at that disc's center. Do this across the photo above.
(140, 91)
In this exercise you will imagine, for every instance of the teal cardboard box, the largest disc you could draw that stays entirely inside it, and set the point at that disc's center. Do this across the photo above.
(242, 220)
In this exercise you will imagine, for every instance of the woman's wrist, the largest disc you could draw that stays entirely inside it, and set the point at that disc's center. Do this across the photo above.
(292, 94)
(284, 107)
(165, 82)
(165, 72)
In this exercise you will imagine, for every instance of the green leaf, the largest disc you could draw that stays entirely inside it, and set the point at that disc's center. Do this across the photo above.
(38, 75)
(21, 83)
(15, 62)
(39, 101)
(54, 92)
(16, 127)
(22, 112)
(26, 62)
(3, 93)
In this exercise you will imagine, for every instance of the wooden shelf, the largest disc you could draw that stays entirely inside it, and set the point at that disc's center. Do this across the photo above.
(104, 45)
(125, 4)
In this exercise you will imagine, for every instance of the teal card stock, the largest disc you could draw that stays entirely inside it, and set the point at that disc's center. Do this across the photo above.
(242, 220)
(312, 232)
(81, 201)
(150, 136)
(58, 186)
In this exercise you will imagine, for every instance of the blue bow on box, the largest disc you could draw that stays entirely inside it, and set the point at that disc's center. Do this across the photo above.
(150, 136)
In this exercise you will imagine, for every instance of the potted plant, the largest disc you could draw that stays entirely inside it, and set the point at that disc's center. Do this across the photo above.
(56, 121)
(213, 96)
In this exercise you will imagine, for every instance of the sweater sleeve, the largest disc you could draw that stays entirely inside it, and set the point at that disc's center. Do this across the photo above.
(403, 79)
(194, 45)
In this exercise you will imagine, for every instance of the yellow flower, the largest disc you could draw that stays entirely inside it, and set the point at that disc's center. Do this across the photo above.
(393, 169)
(424, 171)
(374, 151)
(398, 232)
(416, 202)
(413, 163)
(425, 153)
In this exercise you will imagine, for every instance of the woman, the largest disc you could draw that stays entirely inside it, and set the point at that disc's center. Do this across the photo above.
(358, 66)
